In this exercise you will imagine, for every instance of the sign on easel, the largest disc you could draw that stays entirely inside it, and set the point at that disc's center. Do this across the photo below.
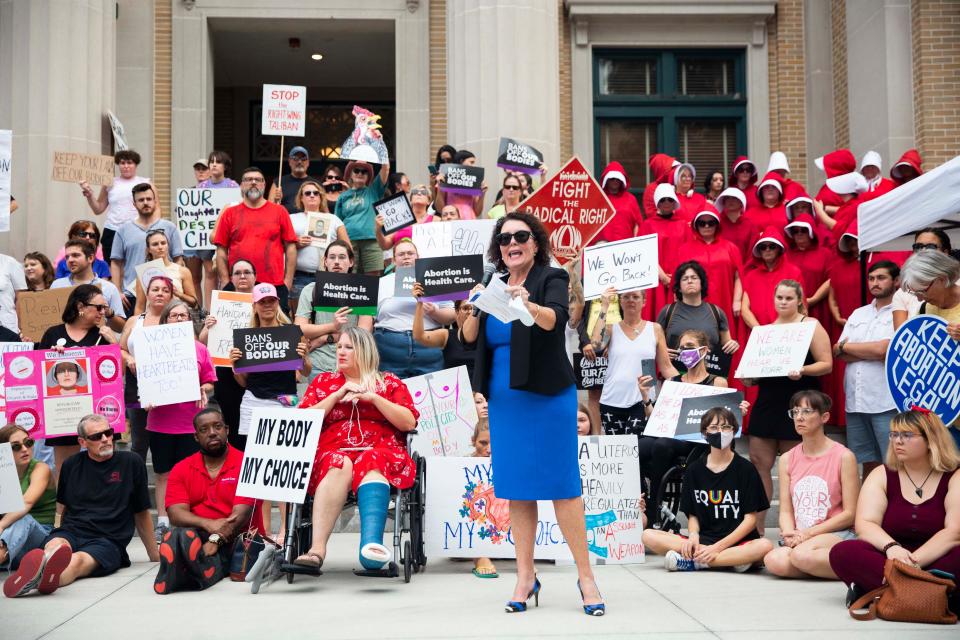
(284, 110)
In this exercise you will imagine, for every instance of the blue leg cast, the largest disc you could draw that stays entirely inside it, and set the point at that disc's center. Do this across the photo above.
(373, 498)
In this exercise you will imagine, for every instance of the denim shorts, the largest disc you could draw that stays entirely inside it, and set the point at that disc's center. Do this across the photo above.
(203, 254)
(404, 356)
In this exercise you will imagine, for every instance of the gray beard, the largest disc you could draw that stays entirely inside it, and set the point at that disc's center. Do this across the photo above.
(253, 194)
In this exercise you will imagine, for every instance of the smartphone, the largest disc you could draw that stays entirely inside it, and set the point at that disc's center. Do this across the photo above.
(333, 186)
(432, 168)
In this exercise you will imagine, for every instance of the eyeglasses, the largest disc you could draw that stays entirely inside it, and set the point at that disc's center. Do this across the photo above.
(179, 316)
(99, 307)
(254, 180)
(242, 274)
(16, 446)
(311, 193)
(767, 246)
(904, 436)
(920, 246)
(503, 239)
(919, 292)
(709, 222)
(511, 187)
(419, 192)
(100, 435)
(806, 412)
(93, 236)
(717, 428)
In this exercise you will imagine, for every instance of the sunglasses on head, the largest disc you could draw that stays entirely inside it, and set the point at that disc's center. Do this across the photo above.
(767, 246)
(503, 239)
(706, 222)
(100, 435)
(920, 246)
(17, 446)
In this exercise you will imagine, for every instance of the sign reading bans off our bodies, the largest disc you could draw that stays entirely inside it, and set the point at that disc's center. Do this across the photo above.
(81, 167)
(279, 454)
(197, 213)
(268, 349)
(923, 367)
(354, 290)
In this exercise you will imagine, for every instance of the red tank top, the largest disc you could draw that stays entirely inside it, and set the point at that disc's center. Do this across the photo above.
(913, 524)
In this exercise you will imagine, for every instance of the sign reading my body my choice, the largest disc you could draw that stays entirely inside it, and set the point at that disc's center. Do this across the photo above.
(517, 156)
(197, 213)
(448, 278)
(354, 290)
(279, 454)
(923, 367)
(268, 349)
(462, 178)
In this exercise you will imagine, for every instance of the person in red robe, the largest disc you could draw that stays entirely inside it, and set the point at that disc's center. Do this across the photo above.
(843, 297)
(671, 234)
(835, 163)
(795, 202)
(732, 204)
(719, 258)
(908, 167)
(813, 260)
(691, 202)
(627, 219)
(743, 176)
(778, 164)
(661, 166)
(769, 212)
(872, 172)
(848, 188)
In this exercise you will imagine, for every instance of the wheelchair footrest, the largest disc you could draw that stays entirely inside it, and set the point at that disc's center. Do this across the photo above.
(390, 571)
(300, 570)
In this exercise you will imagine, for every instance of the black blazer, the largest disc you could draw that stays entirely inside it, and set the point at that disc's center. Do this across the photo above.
(538, 358)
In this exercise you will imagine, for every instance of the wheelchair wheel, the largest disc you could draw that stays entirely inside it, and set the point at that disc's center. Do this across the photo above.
(418, 505)
(668, 500)
(407, 561)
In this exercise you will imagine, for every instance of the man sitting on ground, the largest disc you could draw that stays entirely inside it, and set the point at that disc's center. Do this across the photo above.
(102, 495)
(205, 511)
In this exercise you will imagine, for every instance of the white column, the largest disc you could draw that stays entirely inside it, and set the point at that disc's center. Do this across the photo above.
(56, 82)
(412, 137)
(191, 131)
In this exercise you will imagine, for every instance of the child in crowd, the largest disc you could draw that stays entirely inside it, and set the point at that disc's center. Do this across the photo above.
(482, 567)
(721, 496)
(585, 422)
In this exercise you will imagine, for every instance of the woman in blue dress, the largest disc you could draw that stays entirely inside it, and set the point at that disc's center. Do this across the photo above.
(525, 374)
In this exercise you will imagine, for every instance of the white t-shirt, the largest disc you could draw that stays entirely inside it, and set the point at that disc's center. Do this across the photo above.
(12, 280)
(120, 207)
(396, 314)
(309, 258)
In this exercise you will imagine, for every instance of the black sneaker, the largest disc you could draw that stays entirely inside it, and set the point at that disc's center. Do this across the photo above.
(172, 575)
(854, 593)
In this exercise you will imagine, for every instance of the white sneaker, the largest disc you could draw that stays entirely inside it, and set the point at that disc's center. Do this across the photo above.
(673, 561)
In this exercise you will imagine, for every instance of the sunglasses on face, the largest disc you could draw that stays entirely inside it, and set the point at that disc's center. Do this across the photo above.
(100, 435)
(99, 307)
(360, 172)
(503, 239)
(333, 176)
(311, 193)
(85, 234)
(920, 246)
(511, 187)
(709, 222)
(745, 169)
(17, 446)
(767, 246)
(419, 192)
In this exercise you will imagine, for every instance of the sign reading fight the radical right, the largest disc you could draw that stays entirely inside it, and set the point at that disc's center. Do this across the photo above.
(278, 458)
(626, 265)
(354, 290)
(462, 178)
(284, 110)
(923, 367)
(268, 349)
(197, 214)
(775, 350)
(82, 167)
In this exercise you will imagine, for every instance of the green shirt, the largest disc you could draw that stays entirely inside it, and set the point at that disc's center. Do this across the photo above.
(355, 208)
(46, 506)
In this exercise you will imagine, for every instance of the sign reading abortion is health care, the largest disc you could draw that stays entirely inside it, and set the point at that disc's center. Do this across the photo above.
(197, 214)
(449, 278)
(354, 290)
(279, 454)
(923, 367)
(626, 265)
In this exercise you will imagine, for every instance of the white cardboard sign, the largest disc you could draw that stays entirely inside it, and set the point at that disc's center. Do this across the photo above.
(278, 458)
(284, 110)
(776, 349)
(627, 265)
(233, 310)
(6, 160)
(11, 498)
(197, 213)
(167, 364)
(448, 414)
(663, 419)
(453, 238)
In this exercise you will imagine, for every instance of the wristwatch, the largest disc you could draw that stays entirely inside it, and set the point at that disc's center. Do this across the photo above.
(216, 539)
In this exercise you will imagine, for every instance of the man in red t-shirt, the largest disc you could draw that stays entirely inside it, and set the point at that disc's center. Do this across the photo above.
(205, 511)
(261, 233)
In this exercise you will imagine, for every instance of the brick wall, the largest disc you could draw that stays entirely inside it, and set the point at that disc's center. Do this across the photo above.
(566, 91)
(788, 129)
(841, 107)
(162, 100)
(935, 26)
(438, 76)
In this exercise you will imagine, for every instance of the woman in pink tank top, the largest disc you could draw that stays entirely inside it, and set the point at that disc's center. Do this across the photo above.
(819, 484)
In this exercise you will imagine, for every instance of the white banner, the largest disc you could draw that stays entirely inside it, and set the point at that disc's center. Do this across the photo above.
(448, 414)
(465, 519)
(278, 458)
(6, 160)
(167, 364)
(627, 265)
(197, 214)
(776, 349)
(11, 498)
(284, 110)
(453, 238)
(662, 422)
(233, 310)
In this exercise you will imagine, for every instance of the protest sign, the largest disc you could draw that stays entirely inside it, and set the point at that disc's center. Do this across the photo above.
(626, 265)
(464, 179)
(82, 167)
(37, 311)
(232, 310)
(663, 421)
(284, 110)
(396, 213)
(47, 393)
(692, 410)
(573, 208)
(718, 363)
(278, 458)
(448, 278)
(319, 228)
(776, 349)
(354, 290)
(119, 137)
(453, 238)
(197, 214)
(467, 520)
(6, 160)
(268, 349)
(11, 498)
(404, 277)
(167, 365)
(448, 414)
(591, 374)
(923, 368)
(517, 156)
(4, 348)
(365, 143)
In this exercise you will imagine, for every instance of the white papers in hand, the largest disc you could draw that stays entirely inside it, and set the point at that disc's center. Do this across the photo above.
(497, 302)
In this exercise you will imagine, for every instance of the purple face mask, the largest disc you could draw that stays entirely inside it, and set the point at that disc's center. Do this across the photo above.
(690, 357)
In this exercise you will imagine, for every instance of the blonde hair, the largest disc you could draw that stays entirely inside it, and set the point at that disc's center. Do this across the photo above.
(483, 425)
(298, 200)
(367, 358)
(798, 289)
(941, 449)
(255, 319)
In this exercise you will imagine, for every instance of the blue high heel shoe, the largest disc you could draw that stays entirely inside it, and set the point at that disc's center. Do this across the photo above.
(519, 607)
(592, 609)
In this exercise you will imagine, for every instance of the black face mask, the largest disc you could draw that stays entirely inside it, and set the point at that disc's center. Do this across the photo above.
(720, 440)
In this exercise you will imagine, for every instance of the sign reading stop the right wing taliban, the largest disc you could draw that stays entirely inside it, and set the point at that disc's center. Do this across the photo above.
(573, 208)
(284, 110)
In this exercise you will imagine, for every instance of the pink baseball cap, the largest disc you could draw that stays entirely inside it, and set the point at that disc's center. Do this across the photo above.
(264, 290)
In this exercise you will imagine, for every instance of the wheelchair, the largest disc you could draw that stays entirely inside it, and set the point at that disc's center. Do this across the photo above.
(671, 488)
(406, 510)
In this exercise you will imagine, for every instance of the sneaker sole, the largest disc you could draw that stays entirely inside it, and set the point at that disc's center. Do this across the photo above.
(163, 584)
(27, 575)
(56, 564)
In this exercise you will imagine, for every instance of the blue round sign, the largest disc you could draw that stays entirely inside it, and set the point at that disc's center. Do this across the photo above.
(923, 367)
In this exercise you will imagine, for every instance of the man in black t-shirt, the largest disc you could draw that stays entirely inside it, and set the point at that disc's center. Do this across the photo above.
(721, 496)
(103, 496)
(286, 195)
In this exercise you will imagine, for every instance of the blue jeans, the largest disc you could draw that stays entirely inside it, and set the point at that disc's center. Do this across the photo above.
(300, 280)
(26, 534)
(868, 435)
(403, 356)
(43, 453)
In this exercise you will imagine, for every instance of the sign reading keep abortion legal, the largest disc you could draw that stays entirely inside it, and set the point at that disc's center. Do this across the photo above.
(923, 367)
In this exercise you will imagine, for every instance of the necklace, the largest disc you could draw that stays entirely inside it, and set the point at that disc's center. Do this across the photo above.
(917, 489)
(636, 332)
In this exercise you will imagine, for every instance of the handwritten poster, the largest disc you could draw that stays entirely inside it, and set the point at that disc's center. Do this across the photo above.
(47, 393)
(6, 160)
(233, 310)
(453, 238)
(82, 167)
(923, 367)
(197, 214)
(284, 110)
(626, 265)
(167, 365)
(11, 498)
(776, 349)
(6, 347)
(279, 454)
(448, 415)
(666, 414)
(396, 213)
(467, 520)
(37, 311)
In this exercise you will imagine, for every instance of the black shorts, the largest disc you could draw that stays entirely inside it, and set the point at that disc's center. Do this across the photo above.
(108, 554)
(170, 448)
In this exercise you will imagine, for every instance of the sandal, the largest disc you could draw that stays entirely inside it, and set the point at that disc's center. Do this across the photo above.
(491, 571)
(310, 559)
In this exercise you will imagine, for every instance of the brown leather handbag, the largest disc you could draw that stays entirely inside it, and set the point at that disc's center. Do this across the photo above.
(909, 594)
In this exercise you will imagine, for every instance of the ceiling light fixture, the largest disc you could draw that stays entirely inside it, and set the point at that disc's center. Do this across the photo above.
(317, 56)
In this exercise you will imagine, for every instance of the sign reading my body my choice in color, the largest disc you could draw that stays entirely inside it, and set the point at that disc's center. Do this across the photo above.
(81, 167)
(573, 208)
(448, 413)
(396, 213)
(37, 311)
(47, 392)
(167, 365)
(354, 290)
(449, 278)
(775, 350)
(462, 178)
(6, 159)
(278, 458)
(626, 265)
(284, 110)
(517, 156)
(197, 213)
(923, 367)
(467, 520)
(233, 310)
(268, 349)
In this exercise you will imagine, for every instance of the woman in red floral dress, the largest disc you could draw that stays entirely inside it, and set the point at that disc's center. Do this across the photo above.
(362, 446)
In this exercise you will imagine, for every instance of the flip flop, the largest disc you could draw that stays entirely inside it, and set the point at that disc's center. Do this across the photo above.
(307, 560)
(477, 573)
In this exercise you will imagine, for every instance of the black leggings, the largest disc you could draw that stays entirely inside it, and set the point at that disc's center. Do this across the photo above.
(106, 243)
(657, 456)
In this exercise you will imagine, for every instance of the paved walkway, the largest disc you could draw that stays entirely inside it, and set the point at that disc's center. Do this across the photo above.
(448, 602)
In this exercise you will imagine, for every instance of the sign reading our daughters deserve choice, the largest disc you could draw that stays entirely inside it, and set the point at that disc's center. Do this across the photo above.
(775, 350)
(626, 265)
(268, 349)
(197, 214)
(354, 290)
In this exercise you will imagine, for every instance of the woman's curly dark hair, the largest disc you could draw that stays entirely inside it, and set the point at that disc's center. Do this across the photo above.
(542, 256)
(698, 269)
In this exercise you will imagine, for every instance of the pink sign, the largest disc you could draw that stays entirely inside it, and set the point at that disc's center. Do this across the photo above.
(48, 392)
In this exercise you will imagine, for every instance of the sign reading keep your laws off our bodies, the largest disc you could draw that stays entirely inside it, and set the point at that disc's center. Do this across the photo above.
(923, 367)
